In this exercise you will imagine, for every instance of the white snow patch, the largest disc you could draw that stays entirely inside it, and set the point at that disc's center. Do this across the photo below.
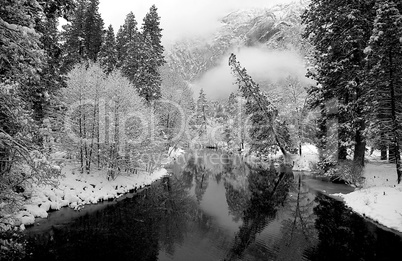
(75, 190)
(36, 211)
(380, 197)
(25, 217)
(367, 50)
(307, 159)
(174, 153)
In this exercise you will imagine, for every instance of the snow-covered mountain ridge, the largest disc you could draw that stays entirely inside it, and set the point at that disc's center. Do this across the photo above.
(273, 28)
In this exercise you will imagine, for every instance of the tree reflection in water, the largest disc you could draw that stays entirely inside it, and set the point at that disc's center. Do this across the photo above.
(201, 183)
(275, 218)
(196, 170)
(237, 199)
(344, 235)
(153, 220)
(298, 231)
(268, 190)
(188, 172)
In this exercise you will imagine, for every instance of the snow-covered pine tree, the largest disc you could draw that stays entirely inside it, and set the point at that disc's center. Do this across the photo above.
(384, 54)
(21, 55)
(24, 58)
(83, 37)
(235, 126)
(151, 26)
(45, 92)
(339, 31)
(134, 53)
(202, 109)
(74, 50)
(230, 126)
(93, 30)
(147, 78)
(126, 36)
(263, 113)
(231, 106)
(36, 89)
(30, 52)
(150, 53)
(108, 52)
(140, 55)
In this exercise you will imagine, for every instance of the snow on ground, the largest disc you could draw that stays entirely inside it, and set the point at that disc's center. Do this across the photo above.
(175, 152)
(380, 197)
(76, 190)
(307, 159)
(304, 162)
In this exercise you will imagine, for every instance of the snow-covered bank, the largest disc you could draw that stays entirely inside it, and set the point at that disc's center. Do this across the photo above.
(380, 197)
(75, 190)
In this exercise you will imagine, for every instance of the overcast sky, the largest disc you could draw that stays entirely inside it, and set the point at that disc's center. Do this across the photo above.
(178, 17)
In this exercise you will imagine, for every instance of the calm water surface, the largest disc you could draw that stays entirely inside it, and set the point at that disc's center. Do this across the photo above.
(214, 207)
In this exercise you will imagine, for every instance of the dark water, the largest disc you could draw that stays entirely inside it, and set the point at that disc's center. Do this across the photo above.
(215, 208)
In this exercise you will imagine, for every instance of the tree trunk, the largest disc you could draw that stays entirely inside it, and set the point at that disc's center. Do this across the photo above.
(360, 141)
(360, 149)
(299, 134)
(391, 153)
(98, 135)
(261, 102)
(342, 152)
(107, 136)
(94, 122)
(116, 137)
(322, 132)
(398, 162)
(81, 144)
(395, 130)
(205, 118)
(342, 134)
(384, 153)
(85, 144)
(383, 147)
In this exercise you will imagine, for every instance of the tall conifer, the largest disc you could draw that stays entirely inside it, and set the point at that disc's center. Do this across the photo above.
(108, 53)
(151, 26)
(93, 30)
(339, 31)
(127, 37)
(74, 50)
(384, 54)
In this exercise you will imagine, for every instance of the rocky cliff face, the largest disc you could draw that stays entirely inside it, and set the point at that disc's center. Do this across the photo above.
(277, 28)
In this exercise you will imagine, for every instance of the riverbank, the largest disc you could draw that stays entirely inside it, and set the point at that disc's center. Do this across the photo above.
(75, 190)
(380, 197)
(195, 213)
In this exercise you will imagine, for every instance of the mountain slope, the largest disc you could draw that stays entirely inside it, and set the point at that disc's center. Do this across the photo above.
(276, 28)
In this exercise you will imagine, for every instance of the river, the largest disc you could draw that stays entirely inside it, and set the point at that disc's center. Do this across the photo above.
(216, 207)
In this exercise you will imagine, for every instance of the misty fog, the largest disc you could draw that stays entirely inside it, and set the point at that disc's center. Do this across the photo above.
(263, 65)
